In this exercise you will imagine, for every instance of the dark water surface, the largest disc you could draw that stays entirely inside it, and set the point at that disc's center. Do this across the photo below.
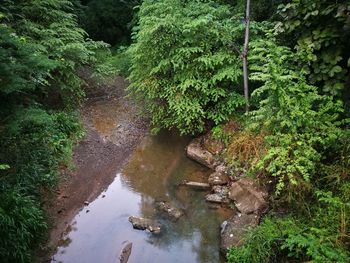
(158, 165)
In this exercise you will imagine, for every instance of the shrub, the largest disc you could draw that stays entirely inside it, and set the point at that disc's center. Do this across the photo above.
(34, 144)
(184, 65)
(301, 123)
(321, 236)
(21, 226)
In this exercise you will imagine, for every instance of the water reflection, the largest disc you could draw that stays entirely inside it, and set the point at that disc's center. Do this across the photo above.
(153, 173)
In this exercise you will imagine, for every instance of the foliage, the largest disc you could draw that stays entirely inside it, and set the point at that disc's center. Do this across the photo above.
(41, 50)
(321, 29)
(115, 62)
(263, 243)
(21, 64)
(261, 10)
(21, 223)
(328, 235)
(301, 123)
(322, 235)
(50, 139)
(59, 47)
(34, 144)
(184, 65)
(315, 239)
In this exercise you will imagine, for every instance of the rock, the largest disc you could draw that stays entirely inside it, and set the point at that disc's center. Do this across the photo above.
(196, 185)
(216, 198)
(218, 178)
(234, 229)
(220, 189)
(145, 224)
(125, 253)
(171, 210)
(222, 169)
(219, 195)
(198, 153)
(248, 196)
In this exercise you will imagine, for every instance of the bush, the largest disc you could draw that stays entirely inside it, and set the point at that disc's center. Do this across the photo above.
(321, 236)
(34, 145)
(184, 65)
(301, 124)
(41, 50)
(21, 226)
(263, 244)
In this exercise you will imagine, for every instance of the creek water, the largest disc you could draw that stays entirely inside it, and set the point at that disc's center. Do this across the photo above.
(155, 170)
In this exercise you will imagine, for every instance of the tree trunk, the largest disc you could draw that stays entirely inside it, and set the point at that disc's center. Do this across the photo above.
(245, 54)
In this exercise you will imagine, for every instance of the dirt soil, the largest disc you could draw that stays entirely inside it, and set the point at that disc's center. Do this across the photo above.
(113, 128)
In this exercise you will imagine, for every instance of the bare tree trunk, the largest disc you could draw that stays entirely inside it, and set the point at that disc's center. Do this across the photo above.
(245, 54)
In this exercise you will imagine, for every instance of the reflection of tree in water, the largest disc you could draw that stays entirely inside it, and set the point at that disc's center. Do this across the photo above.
(153, 163)
(155, 171)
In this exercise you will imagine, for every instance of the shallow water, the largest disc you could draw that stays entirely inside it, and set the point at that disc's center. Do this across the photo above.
(158, 165)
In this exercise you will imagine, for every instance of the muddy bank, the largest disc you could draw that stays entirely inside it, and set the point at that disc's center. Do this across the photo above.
(113, 129)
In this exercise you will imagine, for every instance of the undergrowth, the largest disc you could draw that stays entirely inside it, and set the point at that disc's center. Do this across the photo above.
(321, 236)
(35, 144)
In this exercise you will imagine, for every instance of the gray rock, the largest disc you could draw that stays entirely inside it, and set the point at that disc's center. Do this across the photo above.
(248, 196)
(198, 153)
(234, 229)
(169, 209)
(219, 195)
(221, 189)
(145, 224)
(125, 253)
(222, 168)
(216, 198)
(218, 178)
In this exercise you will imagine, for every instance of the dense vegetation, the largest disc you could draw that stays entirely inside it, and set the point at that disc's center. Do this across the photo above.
(185, 65)
(41, 50)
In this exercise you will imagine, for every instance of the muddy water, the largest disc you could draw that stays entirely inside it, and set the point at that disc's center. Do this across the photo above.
(153, 173)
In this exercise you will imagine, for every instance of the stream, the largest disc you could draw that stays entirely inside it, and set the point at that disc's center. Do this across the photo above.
(153, 173)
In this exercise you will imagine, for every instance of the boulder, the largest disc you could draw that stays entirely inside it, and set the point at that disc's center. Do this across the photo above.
(248, 196)
(145, 224)
(125, 253)
(218, 178)
(198, 153)
(219, 195)
(234, 229)
(169, 209)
